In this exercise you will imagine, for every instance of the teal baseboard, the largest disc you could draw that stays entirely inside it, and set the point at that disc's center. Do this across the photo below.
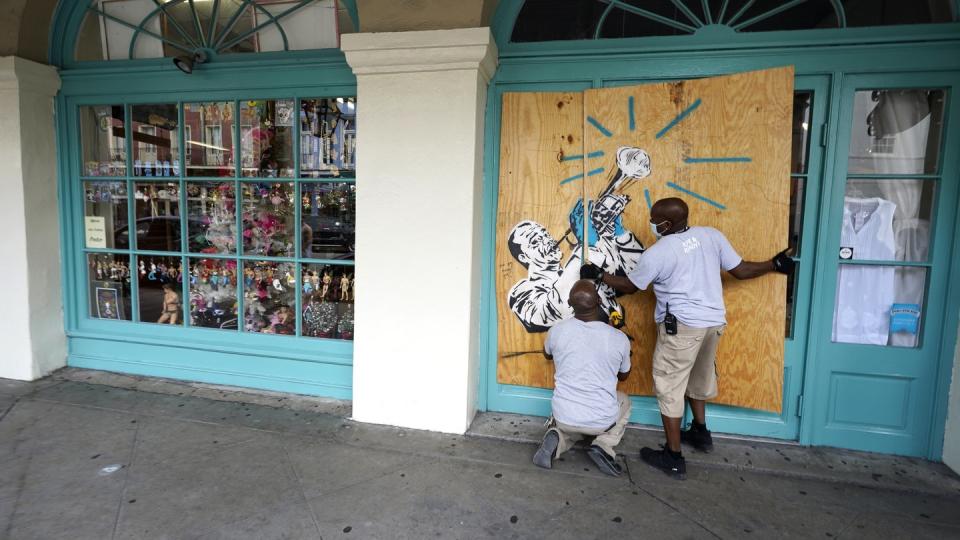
(215, 367)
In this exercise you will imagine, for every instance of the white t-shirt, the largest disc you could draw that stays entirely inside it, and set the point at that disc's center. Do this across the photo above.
(685, 269)
(587, 357)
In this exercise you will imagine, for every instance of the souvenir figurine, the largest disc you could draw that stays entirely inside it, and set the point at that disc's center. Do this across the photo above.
(327, 280)
(137, 168)
(171, 306)
(344, 287)
(176, 167)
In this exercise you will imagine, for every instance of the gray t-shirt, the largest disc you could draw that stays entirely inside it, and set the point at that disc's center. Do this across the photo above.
(685, 271)
(587, 357)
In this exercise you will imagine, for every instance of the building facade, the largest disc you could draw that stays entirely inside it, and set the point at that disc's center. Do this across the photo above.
(216, 215)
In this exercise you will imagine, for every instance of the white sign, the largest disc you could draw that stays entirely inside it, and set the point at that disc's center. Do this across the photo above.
(96, 231)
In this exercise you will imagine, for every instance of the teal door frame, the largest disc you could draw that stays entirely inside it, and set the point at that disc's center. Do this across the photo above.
(864, 417)
(304, 365)
(822, 58)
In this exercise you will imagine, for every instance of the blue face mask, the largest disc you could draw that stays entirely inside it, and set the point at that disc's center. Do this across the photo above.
(655, 229)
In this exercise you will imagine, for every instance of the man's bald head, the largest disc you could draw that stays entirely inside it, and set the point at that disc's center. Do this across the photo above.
(584, 298)
(671, 209)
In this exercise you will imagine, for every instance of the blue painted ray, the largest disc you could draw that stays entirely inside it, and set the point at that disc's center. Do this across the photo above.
(731, 159)
(633, 122)
(679, 118)
(600, 127)
(591, 155)
(696, 195)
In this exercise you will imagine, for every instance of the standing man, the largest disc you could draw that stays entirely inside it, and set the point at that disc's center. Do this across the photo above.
(684, 267)
(589, 356)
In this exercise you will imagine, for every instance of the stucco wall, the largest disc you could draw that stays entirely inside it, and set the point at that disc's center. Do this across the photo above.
(25, 28)
(404, 15)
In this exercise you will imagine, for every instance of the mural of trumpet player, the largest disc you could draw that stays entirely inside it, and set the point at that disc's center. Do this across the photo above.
(540, 300)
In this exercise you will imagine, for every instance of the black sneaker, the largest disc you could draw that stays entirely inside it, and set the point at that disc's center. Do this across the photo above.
(673, 467)
(698, 439)
(544, 456)
(603, 461)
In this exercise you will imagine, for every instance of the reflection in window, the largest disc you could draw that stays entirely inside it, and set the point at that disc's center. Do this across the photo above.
(109, 283)
(155, 140)
(328, 137)
(266, 144)
(269, 297)
(213, 155)
(328, 292)
(887, 219)
(160, 282)
(328, 215)
(213, 293)
(896, 131)
(103, 140)
(158, 216)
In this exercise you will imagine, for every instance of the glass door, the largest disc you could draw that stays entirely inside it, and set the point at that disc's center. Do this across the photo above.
(884, 264)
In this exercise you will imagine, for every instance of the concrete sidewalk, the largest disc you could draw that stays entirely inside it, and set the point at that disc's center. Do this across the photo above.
(92, 455)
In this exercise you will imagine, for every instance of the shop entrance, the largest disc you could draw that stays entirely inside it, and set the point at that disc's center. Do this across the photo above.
(889, 227)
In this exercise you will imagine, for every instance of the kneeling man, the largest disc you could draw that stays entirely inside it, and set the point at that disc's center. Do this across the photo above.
(589, 356)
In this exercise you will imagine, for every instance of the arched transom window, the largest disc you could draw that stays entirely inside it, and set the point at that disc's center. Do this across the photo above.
(134, 29)
(549, 20)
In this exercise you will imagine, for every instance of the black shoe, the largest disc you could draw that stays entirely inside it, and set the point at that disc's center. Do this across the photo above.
(604, 462)
(544, 456)
(673, 467)
(698, 439)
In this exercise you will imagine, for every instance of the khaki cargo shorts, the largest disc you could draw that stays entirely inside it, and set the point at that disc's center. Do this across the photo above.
(685, 364)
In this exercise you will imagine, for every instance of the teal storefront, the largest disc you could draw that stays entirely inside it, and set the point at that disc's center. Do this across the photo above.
(239, 182)
(207, 219)
(848, 389)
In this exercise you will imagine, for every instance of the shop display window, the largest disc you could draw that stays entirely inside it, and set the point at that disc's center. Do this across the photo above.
(108, 277)
(327, 220)
(268, 219)
(160, 286)
(105, 215)
(327, 301)
(269, 297)
(211, 217)
(188, 225)
(213, 293)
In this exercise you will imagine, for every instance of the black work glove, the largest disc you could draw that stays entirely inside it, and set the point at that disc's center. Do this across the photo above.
(783, 263)
(591, 271)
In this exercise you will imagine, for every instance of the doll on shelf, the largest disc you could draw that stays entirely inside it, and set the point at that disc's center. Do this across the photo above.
(327, 280)
(171, 306)
(281, 322)
(344, 288)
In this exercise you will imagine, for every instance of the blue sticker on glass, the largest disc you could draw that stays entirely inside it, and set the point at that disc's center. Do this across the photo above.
(905, 318)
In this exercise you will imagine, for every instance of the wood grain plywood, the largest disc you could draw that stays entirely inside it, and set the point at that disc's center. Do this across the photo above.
(541, 133)
(723, 145)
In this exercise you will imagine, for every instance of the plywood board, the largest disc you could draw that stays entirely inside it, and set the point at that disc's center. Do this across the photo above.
(722, 144)
(541, 135)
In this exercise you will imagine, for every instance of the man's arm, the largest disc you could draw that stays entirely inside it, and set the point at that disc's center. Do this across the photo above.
(750, 269)
(781, 262)
(621, 284)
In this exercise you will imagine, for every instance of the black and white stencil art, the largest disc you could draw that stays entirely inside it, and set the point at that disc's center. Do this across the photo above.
(540, 300)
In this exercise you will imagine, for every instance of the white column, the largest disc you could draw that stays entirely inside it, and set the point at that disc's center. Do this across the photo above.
(31, 320)
(420, 105)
